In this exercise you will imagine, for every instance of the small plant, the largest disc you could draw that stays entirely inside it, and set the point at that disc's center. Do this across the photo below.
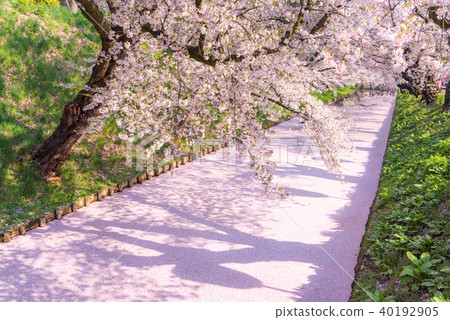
(421, 244)
(419, 269)
(438, 297)
(378, 296)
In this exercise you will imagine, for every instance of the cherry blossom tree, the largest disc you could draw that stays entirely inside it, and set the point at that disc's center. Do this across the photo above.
(409, 42)
(179, 70)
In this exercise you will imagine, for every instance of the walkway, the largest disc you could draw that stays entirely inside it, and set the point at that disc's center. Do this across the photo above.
(208, 233)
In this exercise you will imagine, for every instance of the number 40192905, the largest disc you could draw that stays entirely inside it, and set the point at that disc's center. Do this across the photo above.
(409, 311)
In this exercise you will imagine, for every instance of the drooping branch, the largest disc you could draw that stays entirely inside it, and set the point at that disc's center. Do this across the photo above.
(320, 25)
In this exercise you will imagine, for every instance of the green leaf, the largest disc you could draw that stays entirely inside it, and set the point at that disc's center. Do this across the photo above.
(425, 256)
(446, 269)
(426, 266)
(427, 284)
(412, 258)
(407, 272)
(375, 296)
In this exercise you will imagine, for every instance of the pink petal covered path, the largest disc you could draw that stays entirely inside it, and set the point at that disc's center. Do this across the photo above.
(208, 233)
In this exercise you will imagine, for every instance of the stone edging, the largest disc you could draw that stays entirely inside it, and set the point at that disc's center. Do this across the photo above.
(58, 213)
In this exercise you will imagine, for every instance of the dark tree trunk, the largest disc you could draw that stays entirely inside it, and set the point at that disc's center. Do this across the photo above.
(410, 88)
(411, 82)
(431, 89)
(446, 106)
(428, 89)
(71, 4)
(53, 152)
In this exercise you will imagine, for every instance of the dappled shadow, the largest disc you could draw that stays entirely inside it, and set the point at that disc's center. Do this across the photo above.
(207, 233)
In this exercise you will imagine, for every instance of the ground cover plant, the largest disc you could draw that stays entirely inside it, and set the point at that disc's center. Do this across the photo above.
(405, 253)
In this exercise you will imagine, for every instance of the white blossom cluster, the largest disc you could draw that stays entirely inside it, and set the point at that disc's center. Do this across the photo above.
(186, 69)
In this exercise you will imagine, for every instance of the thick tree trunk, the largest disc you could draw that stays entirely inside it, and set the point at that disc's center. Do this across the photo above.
(53, 152)
(446, 106)
(428, 89)
(411, 83)
(431, 89)
(430, 94)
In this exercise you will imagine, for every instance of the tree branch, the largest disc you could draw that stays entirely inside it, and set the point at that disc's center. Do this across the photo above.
(197, 52)
(112, 5)
(297, 23)
(297, 112)
(91, 11)
(320, 25)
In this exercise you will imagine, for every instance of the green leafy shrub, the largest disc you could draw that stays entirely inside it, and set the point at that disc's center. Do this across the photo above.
(421, 272)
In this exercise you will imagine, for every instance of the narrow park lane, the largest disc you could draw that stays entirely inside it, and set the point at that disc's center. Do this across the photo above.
(208, 233)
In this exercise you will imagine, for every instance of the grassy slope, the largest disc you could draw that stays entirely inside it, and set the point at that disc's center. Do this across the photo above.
(410, 213)
(37, 51)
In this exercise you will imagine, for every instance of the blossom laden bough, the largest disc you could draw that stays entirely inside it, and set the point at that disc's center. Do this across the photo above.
(187, 69)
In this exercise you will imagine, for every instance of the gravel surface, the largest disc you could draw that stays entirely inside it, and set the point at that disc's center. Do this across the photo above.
(208, 232)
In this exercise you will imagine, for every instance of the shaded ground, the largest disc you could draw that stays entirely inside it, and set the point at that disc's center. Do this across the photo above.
(208, 233)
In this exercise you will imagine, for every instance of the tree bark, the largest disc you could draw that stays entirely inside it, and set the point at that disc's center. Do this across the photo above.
(428, 89)
(431, 89)
(54, 151)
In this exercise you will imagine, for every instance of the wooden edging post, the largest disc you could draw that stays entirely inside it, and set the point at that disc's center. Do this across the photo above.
(6, 237)
(58, 213)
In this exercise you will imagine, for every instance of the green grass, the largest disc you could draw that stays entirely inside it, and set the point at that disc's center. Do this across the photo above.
(280, 113)
(405, 252)
(331, 94)
(37, 44)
